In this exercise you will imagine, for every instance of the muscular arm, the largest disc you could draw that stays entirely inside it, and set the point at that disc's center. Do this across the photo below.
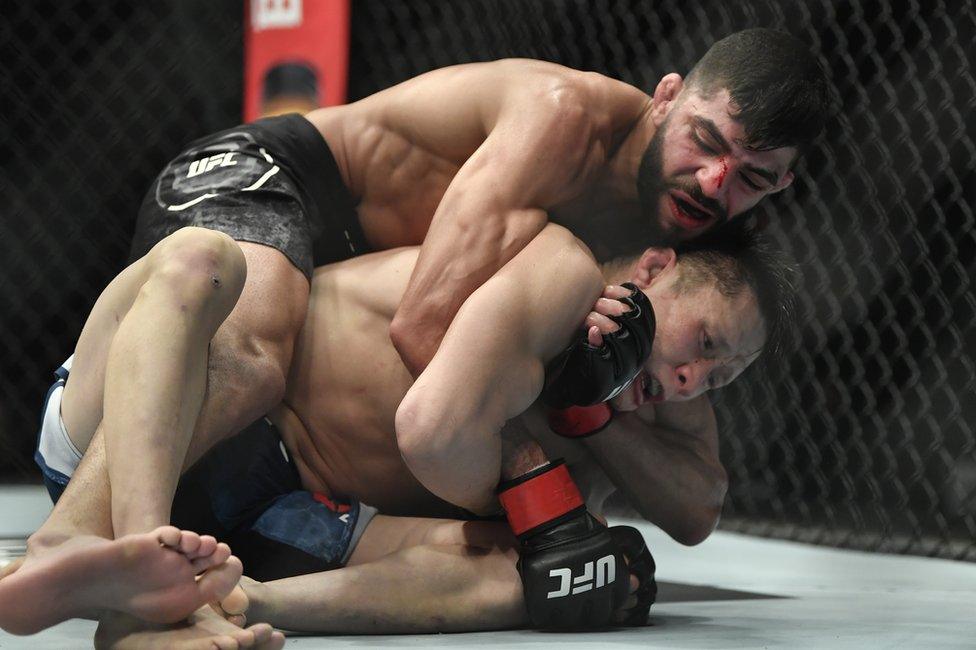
(665, 460)
(542, 142)
(490, 368)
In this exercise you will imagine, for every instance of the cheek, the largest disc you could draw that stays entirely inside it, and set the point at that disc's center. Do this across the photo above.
(675, 154)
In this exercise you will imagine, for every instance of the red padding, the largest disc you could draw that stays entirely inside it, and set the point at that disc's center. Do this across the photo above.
(580, 421)
(540, 499)
(314, 32)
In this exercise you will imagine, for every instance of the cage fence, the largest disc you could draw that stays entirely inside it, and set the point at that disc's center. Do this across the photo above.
(864, 437)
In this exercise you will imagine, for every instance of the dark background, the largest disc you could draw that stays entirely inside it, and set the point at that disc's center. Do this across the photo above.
(864, 438)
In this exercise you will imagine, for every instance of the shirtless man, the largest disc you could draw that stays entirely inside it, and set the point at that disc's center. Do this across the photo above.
(337, 421)
(477, 154)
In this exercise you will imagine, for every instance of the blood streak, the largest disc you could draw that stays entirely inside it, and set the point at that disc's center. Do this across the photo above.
(725, 170)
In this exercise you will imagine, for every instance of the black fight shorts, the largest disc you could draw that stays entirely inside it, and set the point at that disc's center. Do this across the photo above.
(273, 182)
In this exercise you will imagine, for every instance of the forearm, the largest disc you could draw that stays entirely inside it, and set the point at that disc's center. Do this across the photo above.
(467, 474)
(418, 590)
(459, 254)
(672, 479)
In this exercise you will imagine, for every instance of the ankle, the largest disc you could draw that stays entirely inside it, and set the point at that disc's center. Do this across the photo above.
(46, 539)
(260, 601)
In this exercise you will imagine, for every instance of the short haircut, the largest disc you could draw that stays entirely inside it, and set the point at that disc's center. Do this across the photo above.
(734, 257)
(777, 87)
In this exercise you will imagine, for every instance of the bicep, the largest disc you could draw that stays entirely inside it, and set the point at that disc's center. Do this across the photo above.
(490, 364)
(482, 371)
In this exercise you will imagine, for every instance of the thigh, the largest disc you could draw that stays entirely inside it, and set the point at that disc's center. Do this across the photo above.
(254, 342)
(385, 535)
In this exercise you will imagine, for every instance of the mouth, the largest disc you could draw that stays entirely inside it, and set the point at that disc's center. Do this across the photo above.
(649, 389)
(687, 213)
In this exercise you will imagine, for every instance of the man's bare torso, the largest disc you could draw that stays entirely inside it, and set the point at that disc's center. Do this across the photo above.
(347, 381)
(400, 149)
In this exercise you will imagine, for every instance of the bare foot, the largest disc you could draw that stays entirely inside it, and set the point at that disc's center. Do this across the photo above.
(146, 575)
(203, 630)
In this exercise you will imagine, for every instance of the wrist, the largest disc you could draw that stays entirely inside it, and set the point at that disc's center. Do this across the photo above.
(540, 499)
(521, 457)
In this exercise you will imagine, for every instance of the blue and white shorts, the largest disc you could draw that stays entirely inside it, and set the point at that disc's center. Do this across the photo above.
(246, 492)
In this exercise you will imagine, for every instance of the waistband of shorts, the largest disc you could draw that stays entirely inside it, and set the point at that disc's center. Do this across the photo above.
(308, 158)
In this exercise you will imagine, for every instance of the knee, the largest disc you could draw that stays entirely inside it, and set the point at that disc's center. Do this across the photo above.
(203, 269)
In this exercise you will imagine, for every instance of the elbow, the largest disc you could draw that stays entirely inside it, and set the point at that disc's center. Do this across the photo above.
(414, 423)
(698, 521)
(402, 329)
(696, 527)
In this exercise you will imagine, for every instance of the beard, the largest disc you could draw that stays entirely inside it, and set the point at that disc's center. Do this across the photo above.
(651, 187)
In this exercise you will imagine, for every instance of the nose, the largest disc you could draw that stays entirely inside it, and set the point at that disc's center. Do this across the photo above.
(690, 378)
(714, 176)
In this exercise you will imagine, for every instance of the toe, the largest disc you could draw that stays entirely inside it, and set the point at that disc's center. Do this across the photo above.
(245, 638)
(216, 583)
(207, 545)
(218, 556)
(236, 602)
(189, 543)
(225, 642)
(168, 536)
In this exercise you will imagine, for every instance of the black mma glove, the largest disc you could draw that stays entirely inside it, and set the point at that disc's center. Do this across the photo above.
(573, 570)
(640, 562)
(584, 375)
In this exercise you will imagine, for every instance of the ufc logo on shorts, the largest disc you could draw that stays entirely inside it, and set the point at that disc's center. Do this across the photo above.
(606, 572)
(198, 167)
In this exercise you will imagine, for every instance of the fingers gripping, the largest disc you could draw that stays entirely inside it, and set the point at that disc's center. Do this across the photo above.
(641, 565)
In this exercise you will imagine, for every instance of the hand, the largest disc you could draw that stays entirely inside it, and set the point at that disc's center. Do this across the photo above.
(598, 322)
(643, 587)
(585, 374)
(640, 563)
(574, 573)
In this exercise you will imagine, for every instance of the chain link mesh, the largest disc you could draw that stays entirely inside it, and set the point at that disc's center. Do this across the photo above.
(865, 438)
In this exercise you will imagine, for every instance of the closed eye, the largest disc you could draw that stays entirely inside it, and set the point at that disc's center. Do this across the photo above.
(750, 184)
(704, 146)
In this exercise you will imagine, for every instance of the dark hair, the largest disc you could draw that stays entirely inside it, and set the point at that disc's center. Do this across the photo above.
(735, 256)
(777, 87)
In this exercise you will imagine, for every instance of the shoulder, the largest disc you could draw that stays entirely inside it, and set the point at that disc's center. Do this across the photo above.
(558, 281)
(558, 248)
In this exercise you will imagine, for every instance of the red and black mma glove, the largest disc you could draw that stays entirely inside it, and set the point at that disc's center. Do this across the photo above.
(583, 377)
(574, 574)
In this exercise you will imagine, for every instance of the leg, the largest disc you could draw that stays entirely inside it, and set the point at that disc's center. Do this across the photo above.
(245, 368)
(406, 576)
(177, 273)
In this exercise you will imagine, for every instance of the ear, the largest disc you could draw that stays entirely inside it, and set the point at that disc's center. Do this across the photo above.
(653, 264)
(783, 183)
(665, 94)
